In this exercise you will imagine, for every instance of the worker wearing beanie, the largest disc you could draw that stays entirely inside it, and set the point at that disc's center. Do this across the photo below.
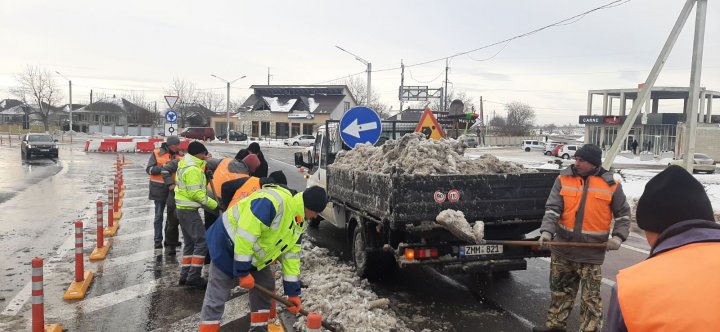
(583, 205)
(160, 191)
(676, 288)
(235, 190)
(190, 195)
(256, 231)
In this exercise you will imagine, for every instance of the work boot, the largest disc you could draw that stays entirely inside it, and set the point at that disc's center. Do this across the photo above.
(199, 283)
(544, 328)
(158, 245)
(170, 250)
(183, 280)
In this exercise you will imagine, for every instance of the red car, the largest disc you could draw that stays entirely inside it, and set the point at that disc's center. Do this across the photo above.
(557, 149)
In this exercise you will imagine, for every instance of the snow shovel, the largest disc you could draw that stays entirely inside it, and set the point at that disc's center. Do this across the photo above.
(549, 243)
(326, 325)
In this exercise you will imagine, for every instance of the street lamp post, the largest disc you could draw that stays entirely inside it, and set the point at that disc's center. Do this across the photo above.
(71, 105)
(227, 110)
(369, 71)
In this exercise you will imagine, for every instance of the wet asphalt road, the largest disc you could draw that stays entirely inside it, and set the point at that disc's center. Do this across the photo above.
(135, 288)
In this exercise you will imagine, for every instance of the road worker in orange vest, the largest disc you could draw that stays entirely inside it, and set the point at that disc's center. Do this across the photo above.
(160, 193)
(586, 204)
(235, 190)
(676, 288)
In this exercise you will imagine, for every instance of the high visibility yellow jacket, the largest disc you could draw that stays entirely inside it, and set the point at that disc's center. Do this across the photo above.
(190, 183)
(264, 227)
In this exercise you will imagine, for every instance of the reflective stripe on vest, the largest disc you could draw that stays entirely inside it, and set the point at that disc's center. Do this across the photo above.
(250, 186)
(232, 231)
(160, 160)
(597, 211)
(222, 174)
(280, 209)
(674, 291)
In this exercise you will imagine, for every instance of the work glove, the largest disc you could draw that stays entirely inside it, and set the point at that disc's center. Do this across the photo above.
(544, 238)
(247, 282)
(209, 174)
(614, 243)
(296, 301)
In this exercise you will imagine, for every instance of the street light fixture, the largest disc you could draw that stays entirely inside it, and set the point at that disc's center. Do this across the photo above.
(369, 71)
(227, 110)
(71, 104)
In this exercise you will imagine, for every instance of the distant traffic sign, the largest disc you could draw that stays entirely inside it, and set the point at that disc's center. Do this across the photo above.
(171, 116)
(360, 125)
(171, 100)
(429, 126)
(170, 129)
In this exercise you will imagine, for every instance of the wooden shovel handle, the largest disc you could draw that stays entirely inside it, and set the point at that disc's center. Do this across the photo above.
(550, 243)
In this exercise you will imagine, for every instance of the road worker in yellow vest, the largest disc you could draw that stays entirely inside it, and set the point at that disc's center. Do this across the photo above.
(235, 190)
(160, 192)
(253, 233)
(191, 195)
(676, 288)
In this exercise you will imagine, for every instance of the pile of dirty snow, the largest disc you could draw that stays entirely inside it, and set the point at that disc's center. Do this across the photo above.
(455, 222)
(340, 296)
(414, 154)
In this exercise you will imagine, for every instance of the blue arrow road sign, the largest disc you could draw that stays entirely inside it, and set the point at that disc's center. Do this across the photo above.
(171, 116)
(360, 125)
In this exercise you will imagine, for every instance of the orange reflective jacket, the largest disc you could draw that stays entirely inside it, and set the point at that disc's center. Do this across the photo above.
(222, 174)
(597, 213)
(160, 159)
(674, 291)
(251, 185)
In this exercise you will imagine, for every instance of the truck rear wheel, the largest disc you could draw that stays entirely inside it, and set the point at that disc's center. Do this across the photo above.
(366, 263)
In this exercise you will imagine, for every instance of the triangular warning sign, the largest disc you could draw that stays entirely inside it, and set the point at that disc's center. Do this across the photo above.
(429, 126)
(171, 100)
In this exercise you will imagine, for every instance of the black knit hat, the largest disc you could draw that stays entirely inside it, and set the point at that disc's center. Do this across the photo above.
(196, 147)
(590, 153)
(254, 147)
(315, 198)
(278, 177)
(672, 196)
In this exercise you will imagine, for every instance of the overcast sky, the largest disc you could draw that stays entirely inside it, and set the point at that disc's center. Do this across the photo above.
(142, 45)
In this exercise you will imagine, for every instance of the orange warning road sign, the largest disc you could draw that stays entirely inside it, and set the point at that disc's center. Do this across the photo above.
(429, 126)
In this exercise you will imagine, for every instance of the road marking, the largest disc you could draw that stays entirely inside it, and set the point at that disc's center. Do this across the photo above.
(96, 303)
(282, 162)
(635, 249)
(128, 236)
(122, 260)
(13, 308)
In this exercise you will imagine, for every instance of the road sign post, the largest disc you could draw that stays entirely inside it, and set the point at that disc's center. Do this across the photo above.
(360, 125)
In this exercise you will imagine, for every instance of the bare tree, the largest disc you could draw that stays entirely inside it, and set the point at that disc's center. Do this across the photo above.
(214, 101)
(37, 85)
(520, 118)
(550, 128)
(188, 95)
(358, 88)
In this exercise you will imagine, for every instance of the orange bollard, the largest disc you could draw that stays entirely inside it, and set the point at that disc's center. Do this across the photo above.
(314, 322)
(112, 226)
(79, 287)
(38, 300)
(101, 248)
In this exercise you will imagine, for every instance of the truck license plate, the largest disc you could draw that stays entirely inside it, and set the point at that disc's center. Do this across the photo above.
(489, 249)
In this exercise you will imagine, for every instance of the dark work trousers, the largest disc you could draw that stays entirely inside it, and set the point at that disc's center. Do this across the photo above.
(209, 221)
(195, 247)
(172, 232)
(158, 222)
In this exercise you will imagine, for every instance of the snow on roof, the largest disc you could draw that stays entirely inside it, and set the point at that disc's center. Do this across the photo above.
(275, 106)
(312, 104)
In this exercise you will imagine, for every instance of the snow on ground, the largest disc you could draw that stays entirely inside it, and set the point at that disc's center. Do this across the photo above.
(340, 296)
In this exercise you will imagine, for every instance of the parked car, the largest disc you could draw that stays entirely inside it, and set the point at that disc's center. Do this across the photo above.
(568, 151)
(469, 140)
(701, 163)
(38, 145)
(531, 144)
(201, 133)
(304, 140)
(549, 147)
(234, 136)
(557, 150)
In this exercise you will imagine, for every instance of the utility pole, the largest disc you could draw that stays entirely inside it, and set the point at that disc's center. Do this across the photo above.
(268, 76)
(402, 82)
(695, 73)
(369, 72)
(445, 92)
(482, 118)
(227, 110)
(71, 110)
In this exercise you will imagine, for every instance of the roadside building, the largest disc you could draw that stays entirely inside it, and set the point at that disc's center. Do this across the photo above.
(282, 111)
(113, 116)
(655, 132)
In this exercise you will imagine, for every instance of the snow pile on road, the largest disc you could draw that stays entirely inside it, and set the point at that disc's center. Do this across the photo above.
(455, 222)
(340, 296)
(414, 154)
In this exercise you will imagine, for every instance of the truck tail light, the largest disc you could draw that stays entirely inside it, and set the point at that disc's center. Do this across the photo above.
(410, 254)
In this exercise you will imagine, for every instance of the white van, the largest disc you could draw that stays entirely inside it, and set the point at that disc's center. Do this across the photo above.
(568, 151)
(531, 144)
